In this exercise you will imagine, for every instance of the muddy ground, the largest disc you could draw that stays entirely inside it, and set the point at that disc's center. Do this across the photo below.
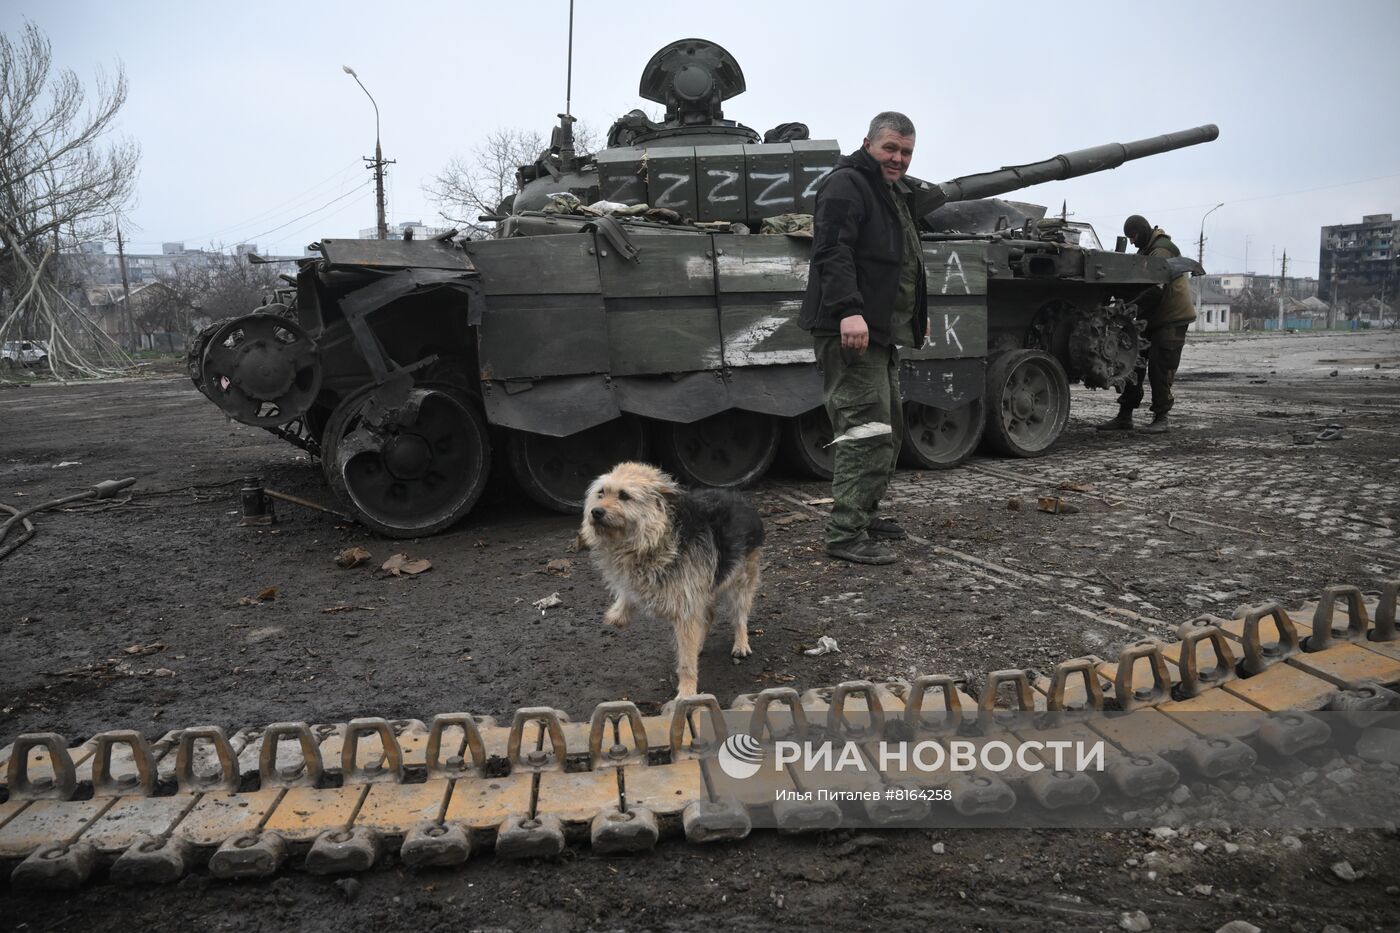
(1227, 509)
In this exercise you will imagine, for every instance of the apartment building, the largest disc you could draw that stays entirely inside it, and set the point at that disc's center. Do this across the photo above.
(1358, 261)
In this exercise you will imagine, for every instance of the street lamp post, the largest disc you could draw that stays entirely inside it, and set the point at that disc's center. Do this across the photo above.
(1201, 250)
(1201, 241)
(378, 158)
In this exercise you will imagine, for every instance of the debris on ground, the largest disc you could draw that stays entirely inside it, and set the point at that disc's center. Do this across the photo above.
(791, 518)
(560, 567)
(825, 645)
(1075, 487)
(352, 557)
(1055, 505)
(549, 602)
(139, 649)
(346, 607)
(1344, 871)
(267, 594)
(863, 841)
(401, 565)
(1134, 921)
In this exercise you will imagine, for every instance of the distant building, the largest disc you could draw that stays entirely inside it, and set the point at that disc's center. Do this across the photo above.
(93, 265)
(106, 306)
(1212, 312)
(1359, 261)
(1232, 284)
(1228, 283)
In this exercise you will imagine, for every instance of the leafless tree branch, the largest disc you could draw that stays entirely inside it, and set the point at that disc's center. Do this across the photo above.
(476, 184)
(63, 179)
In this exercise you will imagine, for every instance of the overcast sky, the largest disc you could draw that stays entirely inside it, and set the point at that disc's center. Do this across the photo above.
(250, 130)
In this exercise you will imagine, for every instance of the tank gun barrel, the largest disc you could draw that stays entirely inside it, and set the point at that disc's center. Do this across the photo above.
(1069, 165)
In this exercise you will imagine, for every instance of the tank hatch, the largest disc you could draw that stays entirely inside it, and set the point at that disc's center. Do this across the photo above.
(692, 77)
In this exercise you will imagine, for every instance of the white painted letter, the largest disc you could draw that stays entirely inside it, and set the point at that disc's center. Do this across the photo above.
(714, 197)
(776, 180)
(664, 198)
(950, 334)
(951, 268)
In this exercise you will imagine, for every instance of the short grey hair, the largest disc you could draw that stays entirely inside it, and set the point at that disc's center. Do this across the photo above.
(891, 120)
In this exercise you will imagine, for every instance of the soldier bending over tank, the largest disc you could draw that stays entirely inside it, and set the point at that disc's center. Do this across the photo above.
(1165, 333)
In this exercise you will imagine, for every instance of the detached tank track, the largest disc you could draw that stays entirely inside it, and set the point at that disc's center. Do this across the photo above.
(432, 794)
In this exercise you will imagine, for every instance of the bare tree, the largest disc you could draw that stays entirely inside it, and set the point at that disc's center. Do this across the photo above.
(476, 184)
(62, 181)
(216, 285)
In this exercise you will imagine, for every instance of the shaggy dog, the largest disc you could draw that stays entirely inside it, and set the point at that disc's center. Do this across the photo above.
(682, 556)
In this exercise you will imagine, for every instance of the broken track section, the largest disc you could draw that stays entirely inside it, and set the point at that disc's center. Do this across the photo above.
(343, 797)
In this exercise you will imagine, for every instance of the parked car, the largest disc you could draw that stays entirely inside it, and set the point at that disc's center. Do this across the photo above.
(24, 353)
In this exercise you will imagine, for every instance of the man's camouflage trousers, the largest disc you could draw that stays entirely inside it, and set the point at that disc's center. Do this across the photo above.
(1156, 366)
(862, 398)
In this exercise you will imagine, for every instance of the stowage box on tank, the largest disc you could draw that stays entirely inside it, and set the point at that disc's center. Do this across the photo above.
(666, 329)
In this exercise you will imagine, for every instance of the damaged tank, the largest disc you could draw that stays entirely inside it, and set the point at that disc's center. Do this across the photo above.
(641, 302)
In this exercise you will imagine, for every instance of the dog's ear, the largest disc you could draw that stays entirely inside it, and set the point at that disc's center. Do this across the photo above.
(667, 486)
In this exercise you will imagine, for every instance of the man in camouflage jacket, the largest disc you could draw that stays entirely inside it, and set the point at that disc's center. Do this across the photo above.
(1167, 324)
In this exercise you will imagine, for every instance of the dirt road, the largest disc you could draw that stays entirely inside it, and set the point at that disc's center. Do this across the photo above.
(1226, 509)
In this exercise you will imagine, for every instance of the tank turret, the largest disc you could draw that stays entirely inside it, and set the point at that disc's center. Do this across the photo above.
(694, 161)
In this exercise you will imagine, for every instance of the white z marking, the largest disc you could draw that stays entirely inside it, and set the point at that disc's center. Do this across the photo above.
(811, 190)
(763, 200)
(714, 197)
(664, 198)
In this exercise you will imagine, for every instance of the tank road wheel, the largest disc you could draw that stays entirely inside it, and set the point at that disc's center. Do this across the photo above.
(806, 443)
(414, 475)
(556, 471)
(726, 451)
(261, 369)
(939, 438)
(1027, 402)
